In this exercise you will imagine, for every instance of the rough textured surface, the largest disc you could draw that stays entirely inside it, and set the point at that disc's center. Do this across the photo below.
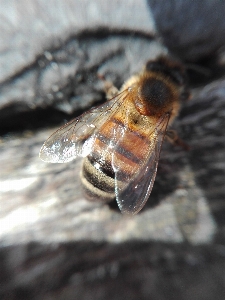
(53, 243)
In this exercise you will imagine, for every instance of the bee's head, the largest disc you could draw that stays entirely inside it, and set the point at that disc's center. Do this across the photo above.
(171, 69)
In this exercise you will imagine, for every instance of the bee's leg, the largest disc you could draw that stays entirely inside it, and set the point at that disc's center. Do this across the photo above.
(110, 90)
(173, 138)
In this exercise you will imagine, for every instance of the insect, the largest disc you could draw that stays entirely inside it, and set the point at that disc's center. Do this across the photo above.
(121, 139)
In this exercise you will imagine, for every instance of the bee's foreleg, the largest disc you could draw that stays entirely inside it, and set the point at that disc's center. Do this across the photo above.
(110, 90)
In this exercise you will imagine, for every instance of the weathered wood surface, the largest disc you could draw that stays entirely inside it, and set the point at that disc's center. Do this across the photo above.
(54, 243)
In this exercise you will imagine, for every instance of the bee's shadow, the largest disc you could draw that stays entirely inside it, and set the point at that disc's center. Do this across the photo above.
(165, 184)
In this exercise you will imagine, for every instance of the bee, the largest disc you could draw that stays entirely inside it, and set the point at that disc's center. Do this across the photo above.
(121, 139)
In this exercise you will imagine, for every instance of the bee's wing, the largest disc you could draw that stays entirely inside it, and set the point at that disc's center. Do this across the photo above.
(77, 137)
(132, 191)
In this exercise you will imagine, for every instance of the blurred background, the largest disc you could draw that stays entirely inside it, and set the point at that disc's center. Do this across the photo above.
(54, 244)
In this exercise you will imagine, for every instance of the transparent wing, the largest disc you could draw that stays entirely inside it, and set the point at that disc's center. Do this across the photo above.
(77, 137)
(133, 189)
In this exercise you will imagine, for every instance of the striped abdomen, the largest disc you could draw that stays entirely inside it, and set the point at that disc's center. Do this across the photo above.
(130, 151)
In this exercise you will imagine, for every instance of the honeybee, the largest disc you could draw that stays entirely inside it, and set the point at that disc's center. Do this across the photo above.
(121, 139)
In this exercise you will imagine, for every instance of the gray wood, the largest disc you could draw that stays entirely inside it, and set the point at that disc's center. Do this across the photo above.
(54, 244)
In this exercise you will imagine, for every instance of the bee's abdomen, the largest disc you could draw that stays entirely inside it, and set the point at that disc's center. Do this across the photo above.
(98, 181)
(111, 152)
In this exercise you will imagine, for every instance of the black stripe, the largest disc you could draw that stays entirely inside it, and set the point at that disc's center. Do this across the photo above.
(96, 179)
(119, 149)
(106, 168)
(93, 196)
